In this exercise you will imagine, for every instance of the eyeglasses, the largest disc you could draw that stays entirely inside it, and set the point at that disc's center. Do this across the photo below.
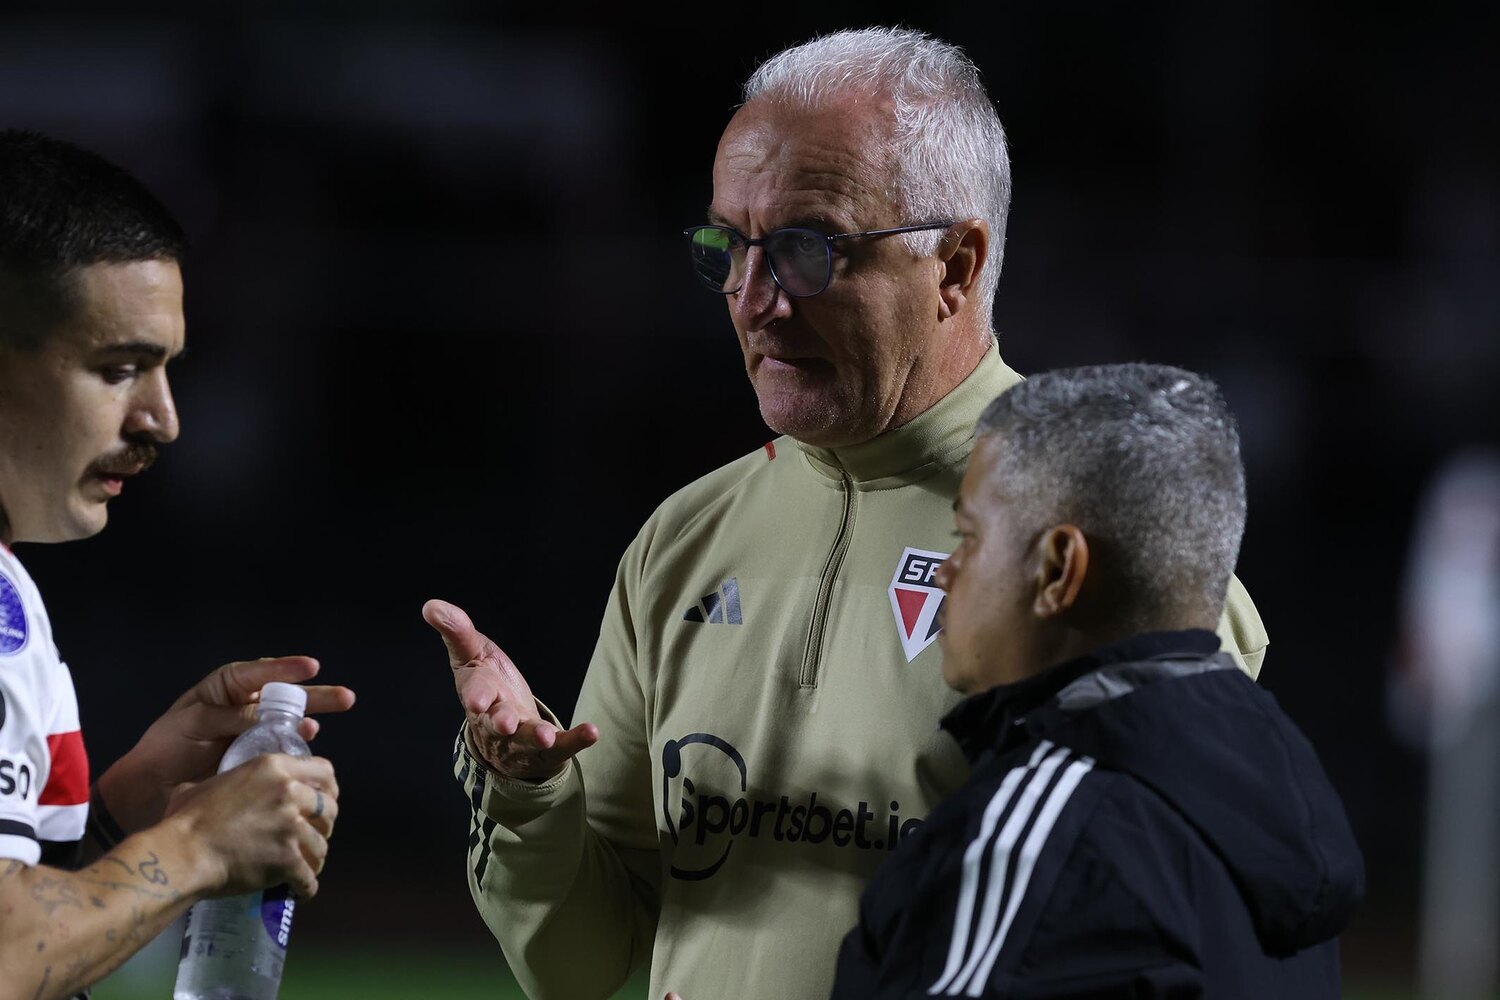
(801, 259)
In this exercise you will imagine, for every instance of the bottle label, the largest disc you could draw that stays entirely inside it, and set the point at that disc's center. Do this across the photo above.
(276, 914)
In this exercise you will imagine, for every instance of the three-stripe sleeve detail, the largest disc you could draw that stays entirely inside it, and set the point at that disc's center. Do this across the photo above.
(480, 826)
(998, 863)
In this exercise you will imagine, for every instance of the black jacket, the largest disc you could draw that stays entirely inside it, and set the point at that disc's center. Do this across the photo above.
(1140, 822)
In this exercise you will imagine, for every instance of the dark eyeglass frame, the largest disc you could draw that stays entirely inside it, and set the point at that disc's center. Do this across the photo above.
(827, 238)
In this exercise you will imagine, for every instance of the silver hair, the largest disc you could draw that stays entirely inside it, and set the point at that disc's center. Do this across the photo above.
(946, 139)
(1145, 459)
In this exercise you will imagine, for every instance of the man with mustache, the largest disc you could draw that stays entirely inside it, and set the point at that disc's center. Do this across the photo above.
(90, 315)
(761, 702)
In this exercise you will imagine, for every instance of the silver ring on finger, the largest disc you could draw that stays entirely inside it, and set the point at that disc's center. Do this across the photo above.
(318, 807)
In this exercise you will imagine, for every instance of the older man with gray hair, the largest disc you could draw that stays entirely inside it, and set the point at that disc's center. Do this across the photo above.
(761, 701)
(1141, 820)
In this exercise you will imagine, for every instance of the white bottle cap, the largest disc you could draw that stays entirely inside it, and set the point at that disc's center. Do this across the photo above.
(284, 697)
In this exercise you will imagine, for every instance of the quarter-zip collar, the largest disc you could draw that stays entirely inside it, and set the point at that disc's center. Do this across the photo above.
(937, 439)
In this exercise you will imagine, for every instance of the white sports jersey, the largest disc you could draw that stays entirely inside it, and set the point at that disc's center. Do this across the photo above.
(44, 771)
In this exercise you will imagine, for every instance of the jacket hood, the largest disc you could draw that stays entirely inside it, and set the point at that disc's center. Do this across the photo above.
(1189, 725)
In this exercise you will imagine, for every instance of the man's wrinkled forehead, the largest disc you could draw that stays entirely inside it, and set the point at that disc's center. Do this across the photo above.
(787, 165)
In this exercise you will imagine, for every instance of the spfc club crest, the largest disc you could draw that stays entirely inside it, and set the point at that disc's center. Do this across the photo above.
(916, 599)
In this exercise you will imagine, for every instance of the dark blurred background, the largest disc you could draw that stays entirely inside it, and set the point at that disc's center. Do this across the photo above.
(444, 341)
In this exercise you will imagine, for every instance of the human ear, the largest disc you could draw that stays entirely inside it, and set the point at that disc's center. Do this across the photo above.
(962, 254)
(1062, 564)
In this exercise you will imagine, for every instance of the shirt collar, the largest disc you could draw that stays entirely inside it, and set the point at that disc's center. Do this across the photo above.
(937, 438)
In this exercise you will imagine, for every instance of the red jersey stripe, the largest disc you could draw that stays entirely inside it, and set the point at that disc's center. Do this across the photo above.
(68, 782)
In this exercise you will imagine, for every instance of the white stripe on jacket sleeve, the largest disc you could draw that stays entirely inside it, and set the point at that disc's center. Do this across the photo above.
(970, 960)
(974, 862)
(1029, 853)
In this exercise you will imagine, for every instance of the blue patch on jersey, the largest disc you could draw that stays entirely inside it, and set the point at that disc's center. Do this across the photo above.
(12, 618)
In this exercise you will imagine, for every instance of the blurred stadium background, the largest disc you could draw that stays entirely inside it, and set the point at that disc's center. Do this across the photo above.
(444, 342)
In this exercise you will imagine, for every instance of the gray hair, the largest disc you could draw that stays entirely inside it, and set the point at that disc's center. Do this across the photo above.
(946, 140)
(1145, 459)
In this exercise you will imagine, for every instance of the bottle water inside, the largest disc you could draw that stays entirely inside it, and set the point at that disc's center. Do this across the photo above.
(235, 948)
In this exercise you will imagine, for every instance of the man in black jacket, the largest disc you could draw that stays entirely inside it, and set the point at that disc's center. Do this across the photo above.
(1141, 819)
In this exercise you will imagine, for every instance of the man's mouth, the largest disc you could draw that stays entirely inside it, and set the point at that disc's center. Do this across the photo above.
(112, 480)
(111, 473)
(784, 348)
(806, 362)
(112, 484)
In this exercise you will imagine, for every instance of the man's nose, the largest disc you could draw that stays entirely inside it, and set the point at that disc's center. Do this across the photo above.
(760, 300)
(155, 411)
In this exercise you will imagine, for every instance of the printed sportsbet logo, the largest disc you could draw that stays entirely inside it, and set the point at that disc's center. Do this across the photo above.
(705, 823)
(916, 599)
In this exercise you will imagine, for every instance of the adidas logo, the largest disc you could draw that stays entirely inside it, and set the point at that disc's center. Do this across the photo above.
(722, 607)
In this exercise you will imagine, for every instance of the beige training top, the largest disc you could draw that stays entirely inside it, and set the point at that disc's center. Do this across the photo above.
(767, 694)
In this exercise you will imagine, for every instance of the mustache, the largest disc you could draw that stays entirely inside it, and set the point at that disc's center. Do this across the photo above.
(136, 457)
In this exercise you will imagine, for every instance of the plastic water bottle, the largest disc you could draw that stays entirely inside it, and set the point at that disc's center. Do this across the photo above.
(235, 948)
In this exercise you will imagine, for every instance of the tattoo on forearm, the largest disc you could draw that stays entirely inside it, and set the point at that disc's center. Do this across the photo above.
(150, 870)
(106, 885)
(132, 931)
(54, 893)
(140, 927)
(128, 899)
(114, 860)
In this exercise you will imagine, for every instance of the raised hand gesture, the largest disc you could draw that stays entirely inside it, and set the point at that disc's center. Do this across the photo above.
(505, 725)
